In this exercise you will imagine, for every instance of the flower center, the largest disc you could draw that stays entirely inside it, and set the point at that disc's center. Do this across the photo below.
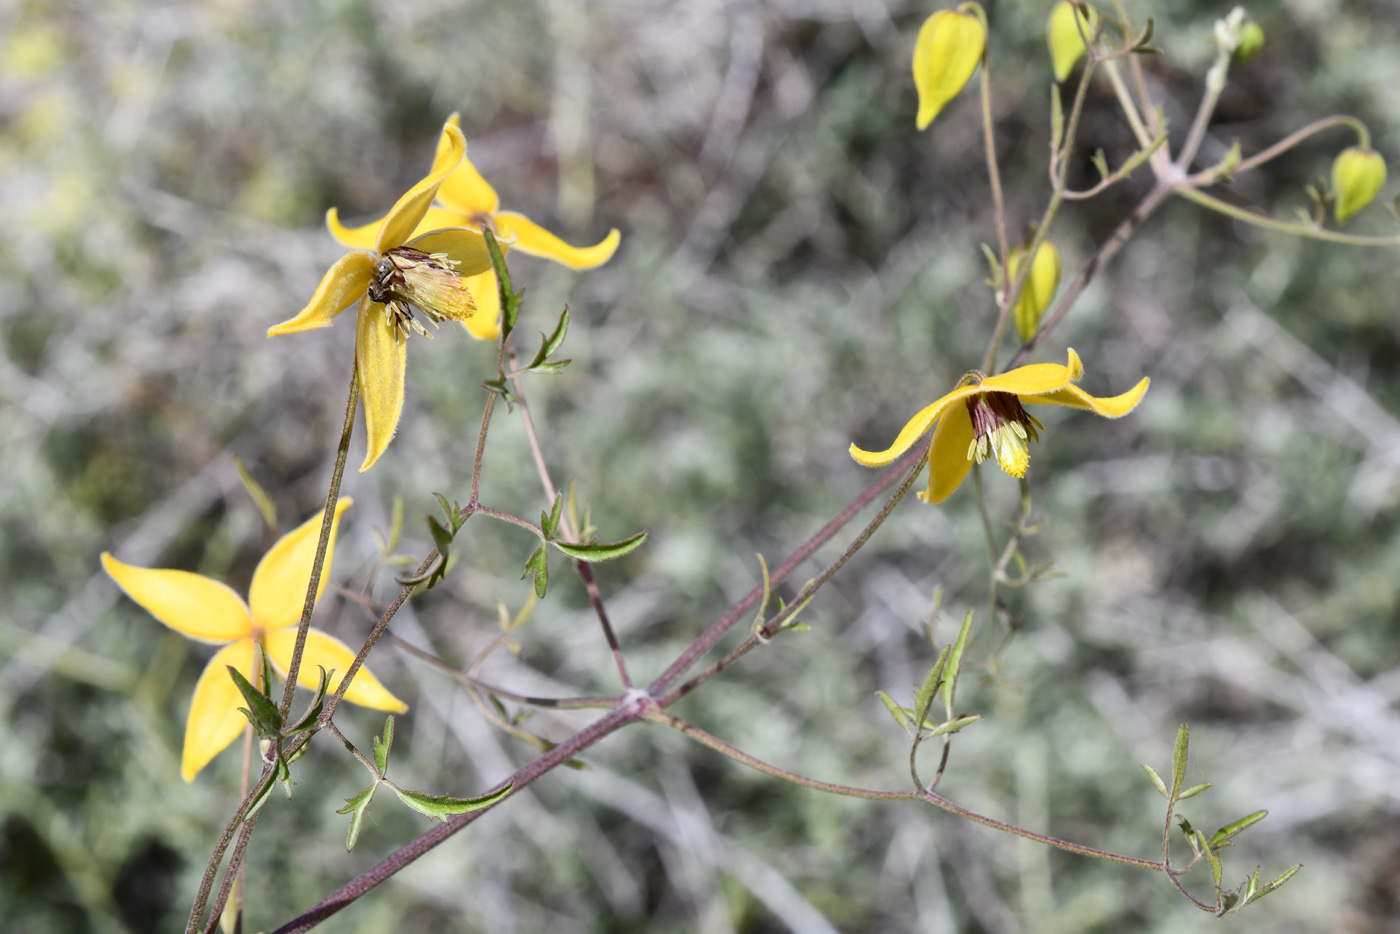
(406, 280)
(1001, 426)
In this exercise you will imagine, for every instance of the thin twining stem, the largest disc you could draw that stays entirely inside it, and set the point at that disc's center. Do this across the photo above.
(993, 172)
(327, 523)
(1278, 226)
(718, 745)
(584, 571)
(912, 463)
(211, 871)
(470, 680)
(1363, 137)
(231, 875)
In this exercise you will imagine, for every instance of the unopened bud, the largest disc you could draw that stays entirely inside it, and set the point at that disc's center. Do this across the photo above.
(1068, 28)
(1040, 286)
(950, 45)
(1251, 42)
(1357, 176)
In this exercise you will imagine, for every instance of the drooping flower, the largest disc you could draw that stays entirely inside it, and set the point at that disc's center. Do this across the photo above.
(1040, 287)
(1069, 25)
(465, 199)
(1357, 176)
(209, 611)
(992, 420)
(949, 47)
(398, 272)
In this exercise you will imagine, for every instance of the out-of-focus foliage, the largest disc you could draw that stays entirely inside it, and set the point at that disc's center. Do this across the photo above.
(799, 269)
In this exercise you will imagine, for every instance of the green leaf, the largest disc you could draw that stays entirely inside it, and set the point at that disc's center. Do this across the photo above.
(897, 712)
(382, 746)
(498, 386)
(441, 537)
(1157, 780)
(356, 808)
(1183, 740)
(950, 677)
(260, 800)
(601, 551)
(923, 697)
(284, 777)
(538, 562)
(1233, 829)
(1211, 858)
(510, 300)
(995, 281)
(1057, 118)
(395, 526)
(261, 712)
(260, 498)
(953, 726)
(308, 719)
(548, 523)
(1193, 791)
(1288, 874)
(548, 346)
(441, 807)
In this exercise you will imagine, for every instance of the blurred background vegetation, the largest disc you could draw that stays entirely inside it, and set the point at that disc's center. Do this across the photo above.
(798, 269)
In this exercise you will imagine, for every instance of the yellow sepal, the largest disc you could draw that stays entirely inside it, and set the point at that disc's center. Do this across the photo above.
(533, 239)
(950, 45)
(1040, 288)
(404, 216)
(214, 719)
(382, 356)
(1066, 38)
(191, 604)
(326, 651)
(341, 286)
(1357, 177)
(278, 591)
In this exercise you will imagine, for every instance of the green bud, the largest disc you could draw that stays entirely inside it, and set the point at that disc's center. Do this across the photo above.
(1251, 42)
(1067, 30)
(1357, 176)
(949, 47)
(1040, 287)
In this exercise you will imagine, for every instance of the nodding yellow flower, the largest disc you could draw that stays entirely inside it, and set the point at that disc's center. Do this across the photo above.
(950, 45)
(208, 611)
(468, 200)
(1040, 287)
(992, 420)
(1357, 176)
(398, 271)
(1067, 30)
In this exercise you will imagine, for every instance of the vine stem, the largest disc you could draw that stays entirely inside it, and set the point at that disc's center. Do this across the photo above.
(584, 571)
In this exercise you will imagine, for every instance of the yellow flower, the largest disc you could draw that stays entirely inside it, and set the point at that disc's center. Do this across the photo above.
(1357, 176)
(1040, 286)
(950, 45)
(395, 274)
(468, 200)
(1066, 32)
(991, 420)
(208, 611)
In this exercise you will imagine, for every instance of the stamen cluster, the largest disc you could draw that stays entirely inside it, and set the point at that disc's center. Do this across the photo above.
(406, 279)
(1002, 426)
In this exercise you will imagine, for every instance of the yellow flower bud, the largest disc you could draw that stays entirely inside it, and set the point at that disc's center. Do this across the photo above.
(1357, 175)
(1040, 287)
(1067, 30)
(1251, 42)
(950, 45)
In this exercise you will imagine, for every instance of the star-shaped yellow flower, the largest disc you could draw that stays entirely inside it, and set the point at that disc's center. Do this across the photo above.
(208, 611)
(468, 200)
(991, 420)
(401, 268)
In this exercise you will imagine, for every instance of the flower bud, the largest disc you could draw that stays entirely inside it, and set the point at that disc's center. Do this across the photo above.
(1357, 176)
(950, 45)
(1067, 31)
(1251, 42)
(1040, 287)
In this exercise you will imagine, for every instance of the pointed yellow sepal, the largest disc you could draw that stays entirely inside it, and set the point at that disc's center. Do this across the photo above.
(950, 45)
(1067, 31)
(1040, 287)
(1357, 176)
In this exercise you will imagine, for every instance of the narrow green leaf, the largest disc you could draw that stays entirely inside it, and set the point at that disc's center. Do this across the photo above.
(1234, 829)
(995, 281)
(1215, 869)
(260, 498)
(549, 346)
(441, 807)
(1193, 791)
(441, 537)
(261, 712)
(395, 525)
(538, 562)
(923, 697)
(953, 726)
(1183, 740)
(761, 616)
(601, 551)
(950, 676)
(356, 808)
(510, 301)
(1157, 780)
(1288, 874)
(1057, 118)
(550, 522)
(897, 712)
(317, 704)
(443, 505)
(284, 777)
(261, 799)
(1101, 163)
(382, 746)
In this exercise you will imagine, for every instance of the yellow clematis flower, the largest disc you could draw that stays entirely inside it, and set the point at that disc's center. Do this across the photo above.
(468, 200)
(208, 611)
(992, 420)
(1067, 28)
(1358, 173)
(949, 48)
(399, 269)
